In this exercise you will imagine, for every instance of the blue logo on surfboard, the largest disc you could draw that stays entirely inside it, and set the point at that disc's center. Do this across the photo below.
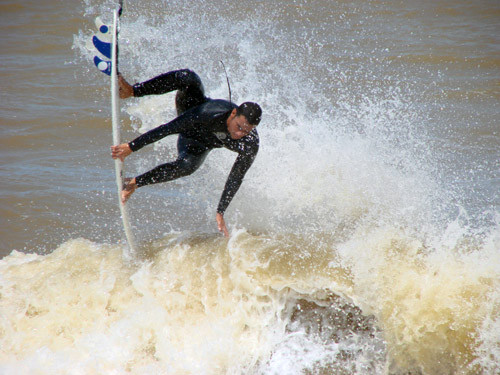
(103, 65)
(102, 61)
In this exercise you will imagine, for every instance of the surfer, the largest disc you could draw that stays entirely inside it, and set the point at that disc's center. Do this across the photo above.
(202, 125)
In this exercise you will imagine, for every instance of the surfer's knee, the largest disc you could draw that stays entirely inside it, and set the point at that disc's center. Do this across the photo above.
(188, 164)
(186, 167)
(189, 78)
(191, 92)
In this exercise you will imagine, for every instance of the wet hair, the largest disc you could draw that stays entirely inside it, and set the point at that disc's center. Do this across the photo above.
(251, 111)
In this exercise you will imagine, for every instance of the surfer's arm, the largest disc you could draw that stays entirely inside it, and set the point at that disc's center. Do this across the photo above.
(240, 167)
(233, 183)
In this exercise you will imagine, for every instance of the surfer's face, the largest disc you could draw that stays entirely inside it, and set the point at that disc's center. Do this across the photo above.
(238, 126)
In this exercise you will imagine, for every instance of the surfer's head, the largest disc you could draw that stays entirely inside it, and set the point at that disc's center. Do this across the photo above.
(243, 119)
(251, 111)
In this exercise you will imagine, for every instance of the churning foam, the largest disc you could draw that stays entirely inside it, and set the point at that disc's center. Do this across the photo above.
(200, 304)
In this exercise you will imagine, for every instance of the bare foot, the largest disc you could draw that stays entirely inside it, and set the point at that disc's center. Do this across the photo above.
(129, 187)
(124, 88)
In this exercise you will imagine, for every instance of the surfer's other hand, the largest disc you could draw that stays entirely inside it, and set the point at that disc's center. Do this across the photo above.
(120, 151)
(124, 88)
(221, 224)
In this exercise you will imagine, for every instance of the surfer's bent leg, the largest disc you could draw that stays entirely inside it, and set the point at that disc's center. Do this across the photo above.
(183, 166)
(191, 156)
(190, 91)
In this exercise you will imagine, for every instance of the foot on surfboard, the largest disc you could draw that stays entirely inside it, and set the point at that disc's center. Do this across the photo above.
(128, 189)
(125, 89)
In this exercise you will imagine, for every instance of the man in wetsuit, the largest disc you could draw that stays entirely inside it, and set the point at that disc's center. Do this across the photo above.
(202, 125)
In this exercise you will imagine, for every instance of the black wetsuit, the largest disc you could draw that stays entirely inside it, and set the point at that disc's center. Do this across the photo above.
(201, 125)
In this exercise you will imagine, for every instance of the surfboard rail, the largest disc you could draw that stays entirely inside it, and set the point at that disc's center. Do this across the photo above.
(109, 50)
(115, 119)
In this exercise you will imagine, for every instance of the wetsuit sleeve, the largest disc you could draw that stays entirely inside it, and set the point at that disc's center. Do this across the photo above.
(185, 122)
(176, 80)
(240, 167)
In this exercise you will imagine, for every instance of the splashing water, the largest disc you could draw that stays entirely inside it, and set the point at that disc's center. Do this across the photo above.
(354, 250)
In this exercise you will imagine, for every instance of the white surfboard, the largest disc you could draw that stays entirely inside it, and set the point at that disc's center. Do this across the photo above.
(115, 117)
